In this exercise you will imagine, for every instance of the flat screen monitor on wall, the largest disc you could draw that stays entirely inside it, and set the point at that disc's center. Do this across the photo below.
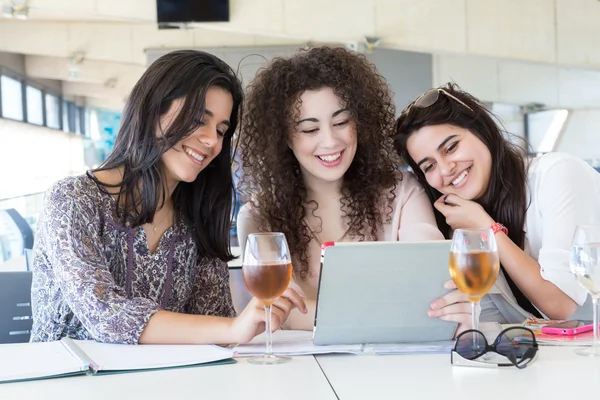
(177, 11)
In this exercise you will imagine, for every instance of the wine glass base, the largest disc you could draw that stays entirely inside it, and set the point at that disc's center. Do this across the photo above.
(269, 360)
(588, 352)
(486, 358)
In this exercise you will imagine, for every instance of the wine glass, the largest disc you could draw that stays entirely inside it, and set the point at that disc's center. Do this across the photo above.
(267, 271)
(474, 265)
(585, 264)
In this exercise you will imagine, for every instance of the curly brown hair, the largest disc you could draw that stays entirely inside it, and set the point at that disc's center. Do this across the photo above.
(270, 171)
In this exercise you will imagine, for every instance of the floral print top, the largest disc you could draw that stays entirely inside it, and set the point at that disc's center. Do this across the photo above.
(94, 278)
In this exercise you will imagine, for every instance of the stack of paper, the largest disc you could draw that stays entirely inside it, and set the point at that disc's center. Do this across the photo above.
(292, 343)
(409, 348)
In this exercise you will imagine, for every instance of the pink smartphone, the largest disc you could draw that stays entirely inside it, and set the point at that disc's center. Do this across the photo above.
(568, 328)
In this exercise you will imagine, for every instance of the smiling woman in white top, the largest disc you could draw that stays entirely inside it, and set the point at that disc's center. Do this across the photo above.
(476, 178)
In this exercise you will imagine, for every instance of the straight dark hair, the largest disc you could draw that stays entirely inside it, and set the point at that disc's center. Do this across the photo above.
(205, 203)
(505, 199)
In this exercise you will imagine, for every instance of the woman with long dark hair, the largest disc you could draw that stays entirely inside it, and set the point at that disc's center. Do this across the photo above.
(319, 163)
(136, 250)
(475, 177)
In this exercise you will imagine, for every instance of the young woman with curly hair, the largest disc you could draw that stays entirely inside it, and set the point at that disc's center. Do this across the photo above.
(319, 165)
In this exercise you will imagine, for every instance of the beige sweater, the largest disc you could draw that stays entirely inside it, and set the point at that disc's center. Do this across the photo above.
(412, 220)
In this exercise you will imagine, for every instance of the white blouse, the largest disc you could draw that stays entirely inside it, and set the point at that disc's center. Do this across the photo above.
(563, 191)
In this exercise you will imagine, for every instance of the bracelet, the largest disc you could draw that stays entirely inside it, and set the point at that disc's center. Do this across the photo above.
(497, 227)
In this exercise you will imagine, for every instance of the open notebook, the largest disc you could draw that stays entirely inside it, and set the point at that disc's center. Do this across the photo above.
(67, 357)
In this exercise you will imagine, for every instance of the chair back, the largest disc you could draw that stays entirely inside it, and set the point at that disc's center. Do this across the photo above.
(15, 306)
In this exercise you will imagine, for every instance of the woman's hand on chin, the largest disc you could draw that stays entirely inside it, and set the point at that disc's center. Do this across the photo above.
(461, 213)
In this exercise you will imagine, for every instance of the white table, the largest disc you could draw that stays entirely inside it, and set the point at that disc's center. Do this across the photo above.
(300, 379)
(557, 372)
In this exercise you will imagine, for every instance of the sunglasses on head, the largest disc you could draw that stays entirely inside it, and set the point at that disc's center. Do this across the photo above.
(472, 344)
(430, 97)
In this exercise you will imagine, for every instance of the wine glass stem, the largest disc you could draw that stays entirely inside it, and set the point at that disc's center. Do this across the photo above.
(596, 344)
(269, 351)
(475, 312)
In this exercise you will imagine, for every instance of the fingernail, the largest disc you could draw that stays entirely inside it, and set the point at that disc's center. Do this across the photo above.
(447, 285)
(430, 313)
(444, 318)
(433, 306)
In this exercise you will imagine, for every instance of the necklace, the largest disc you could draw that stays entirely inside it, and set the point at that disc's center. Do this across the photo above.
(318, 239)
(161, 222)
(153, 226)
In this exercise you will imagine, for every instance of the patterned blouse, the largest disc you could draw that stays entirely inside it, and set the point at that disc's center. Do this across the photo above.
(94, 278)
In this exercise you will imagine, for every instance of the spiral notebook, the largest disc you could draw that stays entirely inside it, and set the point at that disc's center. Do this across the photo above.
(68, 357)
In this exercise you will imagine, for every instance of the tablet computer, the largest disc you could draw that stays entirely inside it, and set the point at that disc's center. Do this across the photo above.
(379, 292)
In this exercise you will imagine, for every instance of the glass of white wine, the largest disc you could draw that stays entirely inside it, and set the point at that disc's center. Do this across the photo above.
(474, 265)
(267, 271)
(585, 265)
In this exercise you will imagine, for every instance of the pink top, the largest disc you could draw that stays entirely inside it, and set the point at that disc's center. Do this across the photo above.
(412, 220)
